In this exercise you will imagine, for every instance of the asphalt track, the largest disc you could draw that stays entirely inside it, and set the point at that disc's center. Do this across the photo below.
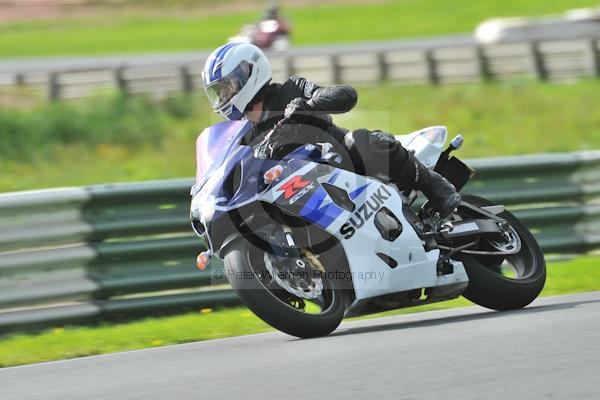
(549, 350)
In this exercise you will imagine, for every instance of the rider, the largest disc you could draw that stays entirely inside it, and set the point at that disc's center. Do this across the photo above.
(237, 80)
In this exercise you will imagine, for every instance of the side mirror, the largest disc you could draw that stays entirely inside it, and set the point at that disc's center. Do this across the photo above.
(457, 142)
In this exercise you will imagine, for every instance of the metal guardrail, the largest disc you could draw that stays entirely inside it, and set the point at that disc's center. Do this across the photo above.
(435, 61)
(81, 254)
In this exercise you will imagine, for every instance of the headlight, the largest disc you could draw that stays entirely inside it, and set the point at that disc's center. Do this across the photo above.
(203, 208)
(436, 135)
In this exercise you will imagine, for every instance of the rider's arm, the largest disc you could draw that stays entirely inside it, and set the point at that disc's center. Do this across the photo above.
(334, 99)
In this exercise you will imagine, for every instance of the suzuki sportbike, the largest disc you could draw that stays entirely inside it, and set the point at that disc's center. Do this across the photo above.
(306, 243)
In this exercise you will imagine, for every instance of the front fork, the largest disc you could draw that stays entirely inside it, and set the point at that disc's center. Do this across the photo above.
(290, 250)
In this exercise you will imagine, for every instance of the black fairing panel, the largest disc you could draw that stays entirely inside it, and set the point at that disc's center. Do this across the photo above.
(455, 171)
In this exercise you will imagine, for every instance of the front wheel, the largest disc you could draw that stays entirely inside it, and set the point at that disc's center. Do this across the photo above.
(255, 284)
(504, 283)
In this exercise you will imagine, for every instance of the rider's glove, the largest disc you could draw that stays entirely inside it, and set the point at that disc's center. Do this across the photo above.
(281, 136)
(297, 106)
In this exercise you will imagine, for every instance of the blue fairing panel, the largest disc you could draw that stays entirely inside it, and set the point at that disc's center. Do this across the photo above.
(224, 161)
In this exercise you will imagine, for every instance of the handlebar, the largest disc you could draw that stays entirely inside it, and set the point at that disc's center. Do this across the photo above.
(281, 122)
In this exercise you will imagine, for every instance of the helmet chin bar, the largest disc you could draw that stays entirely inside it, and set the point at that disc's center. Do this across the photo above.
(230, 113)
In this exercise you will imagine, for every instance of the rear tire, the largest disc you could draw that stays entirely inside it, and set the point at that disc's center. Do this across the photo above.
(488, 287)
(271, 309)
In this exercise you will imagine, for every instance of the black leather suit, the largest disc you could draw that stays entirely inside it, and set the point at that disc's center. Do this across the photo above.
(373, 153)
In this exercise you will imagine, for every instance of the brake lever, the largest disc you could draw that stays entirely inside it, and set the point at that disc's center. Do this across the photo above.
(280, 123)
(261, 149)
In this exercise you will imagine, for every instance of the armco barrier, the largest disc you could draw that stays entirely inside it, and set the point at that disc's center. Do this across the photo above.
(440, 60)
(78, 254)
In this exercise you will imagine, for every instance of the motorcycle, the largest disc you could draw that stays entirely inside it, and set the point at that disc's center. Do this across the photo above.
(271, 33)
(306, 243)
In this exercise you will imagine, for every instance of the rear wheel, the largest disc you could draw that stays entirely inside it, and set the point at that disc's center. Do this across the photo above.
(504, 282)
(304, 308)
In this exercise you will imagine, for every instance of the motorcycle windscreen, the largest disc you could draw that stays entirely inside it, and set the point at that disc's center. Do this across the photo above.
(215, 143)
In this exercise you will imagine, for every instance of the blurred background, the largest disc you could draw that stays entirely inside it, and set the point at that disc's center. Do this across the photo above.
(105, 91)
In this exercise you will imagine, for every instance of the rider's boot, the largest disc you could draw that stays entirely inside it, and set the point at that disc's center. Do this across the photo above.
(378, 152)
(442, 195)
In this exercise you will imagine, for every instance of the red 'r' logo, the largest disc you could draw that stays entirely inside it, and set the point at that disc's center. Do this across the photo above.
(293, 186)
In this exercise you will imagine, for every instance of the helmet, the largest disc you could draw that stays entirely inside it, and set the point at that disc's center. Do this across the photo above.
(232, 76)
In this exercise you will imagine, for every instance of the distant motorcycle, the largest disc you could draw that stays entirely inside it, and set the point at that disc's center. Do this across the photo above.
(306, 243)
(574, 24)
(271, 33)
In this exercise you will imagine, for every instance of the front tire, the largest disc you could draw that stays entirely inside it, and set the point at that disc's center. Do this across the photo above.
(489, 286)
(245, 271)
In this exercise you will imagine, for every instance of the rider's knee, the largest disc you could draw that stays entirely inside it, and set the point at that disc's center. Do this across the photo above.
(375, 151)
(383, 142)
(373, 143)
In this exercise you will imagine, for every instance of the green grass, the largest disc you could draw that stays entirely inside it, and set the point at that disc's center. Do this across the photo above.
(114, 119)
(578, 275)
(496, 119)
(166, 30)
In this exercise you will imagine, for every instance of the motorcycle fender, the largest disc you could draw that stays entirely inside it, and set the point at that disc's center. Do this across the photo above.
(229, 240)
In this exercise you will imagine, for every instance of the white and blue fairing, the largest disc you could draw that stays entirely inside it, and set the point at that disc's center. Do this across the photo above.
(301, 191)
(219, 154)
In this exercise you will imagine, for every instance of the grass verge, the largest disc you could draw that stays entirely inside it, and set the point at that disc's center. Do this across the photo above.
(496, 119)
(174, 29)
(577, 275)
